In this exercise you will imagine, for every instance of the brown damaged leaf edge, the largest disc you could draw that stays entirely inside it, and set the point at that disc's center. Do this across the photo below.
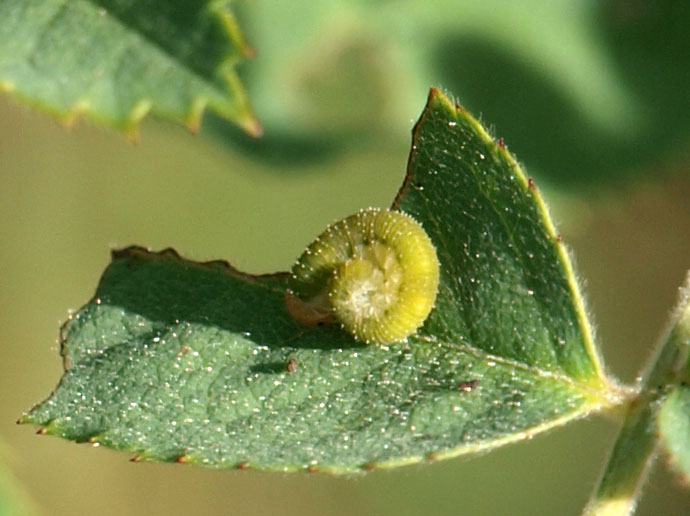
(137, 252)
(434, 95)
(169, 254)
(134, 253)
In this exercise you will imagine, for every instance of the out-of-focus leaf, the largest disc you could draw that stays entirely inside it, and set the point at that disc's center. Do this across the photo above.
(116, 60)
(583, 91)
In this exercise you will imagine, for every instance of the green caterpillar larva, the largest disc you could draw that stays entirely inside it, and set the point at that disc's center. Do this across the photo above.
(375, 272)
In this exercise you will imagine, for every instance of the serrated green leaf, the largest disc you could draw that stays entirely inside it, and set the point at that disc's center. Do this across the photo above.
(200, 363)
(116, 60)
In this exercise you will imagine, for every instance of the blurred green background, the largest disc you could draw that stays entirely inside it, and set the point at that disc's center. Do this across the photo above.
(591, 96)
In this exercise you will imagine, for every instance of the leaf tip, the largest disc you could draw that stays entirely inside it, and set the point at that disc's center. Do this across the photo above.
(196, 113)
(140, 110)
(249, 51)
(78, 110)
(444, 101)
(133, 135)
(45, 429)
(439, 97)
(251, 125)
(432, 457)
(95, 440)
(136, 115)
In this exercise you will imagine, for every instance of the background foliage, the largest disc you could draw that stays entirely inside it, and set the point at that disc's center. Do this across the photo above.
(618, 188)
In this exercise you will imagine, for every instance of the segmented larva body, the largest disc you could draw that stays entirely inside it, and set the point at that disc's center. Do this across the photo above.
(375, 272)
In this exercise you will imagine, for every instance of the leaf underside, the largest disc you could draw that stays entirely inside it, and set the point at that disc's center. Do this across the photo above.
(200, 363)
(116, 60)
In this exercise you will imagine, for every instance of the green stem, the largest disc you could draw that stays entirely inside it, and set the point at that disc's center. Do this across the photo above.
(635, 449)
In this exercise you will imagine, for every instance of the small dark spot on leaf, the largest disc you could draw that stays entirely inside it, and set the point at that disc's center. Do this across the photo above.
(531, 183)
(242, 466)
(368, 467)
(313, 468)
(136, 458)
(469, 386)
(292, 365)
(41, 431)
(501, 143)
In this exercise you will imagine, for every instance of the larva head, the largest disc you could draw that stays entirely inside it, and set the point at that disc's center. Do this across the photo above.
(375, 272)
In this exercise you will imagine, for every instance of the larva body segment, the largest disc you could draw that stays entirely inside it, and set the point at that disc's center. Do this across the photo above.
(375, 272)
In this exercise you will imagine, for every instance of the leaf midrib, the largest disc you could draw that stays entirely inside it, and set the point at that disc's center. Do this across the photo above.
(584, 387)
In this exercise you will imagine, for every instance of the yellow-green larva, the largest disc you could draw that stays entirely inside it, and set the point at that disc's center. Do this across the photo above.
(375, 272)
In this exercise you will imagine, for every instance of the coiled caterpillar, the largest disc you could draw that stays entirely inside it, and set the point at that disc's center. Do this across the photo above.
(375, 272)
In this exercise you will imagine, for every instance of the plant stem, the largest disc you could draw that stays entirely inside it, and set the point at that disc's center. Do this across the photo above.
(635, 449)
